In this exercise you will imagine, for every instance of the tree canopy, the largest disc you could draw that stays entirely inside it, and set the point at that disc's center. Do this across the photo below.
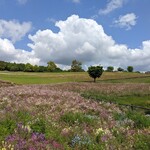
(120, 69)
(51, 66)
(95, 72)
(76, 66)
(110, 69)
(130, 68)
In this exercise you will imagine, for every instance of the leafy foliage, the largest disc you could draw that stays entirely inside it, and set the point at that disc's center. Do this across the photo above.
(76, 66)
(51, 66)
(120, 69)
(95, 72)
(130, 68)
(110, 69)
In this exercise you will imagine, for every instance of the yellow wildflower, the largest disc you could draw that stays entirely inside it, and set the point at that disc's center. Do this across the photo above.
(99, 131)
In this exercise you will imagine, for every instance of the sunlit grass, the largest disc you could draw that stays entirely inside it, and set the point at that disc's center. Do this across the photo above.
(47, 78)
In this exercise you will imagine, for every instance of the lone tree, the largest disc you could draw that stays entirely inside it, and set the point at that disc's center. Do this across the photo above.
(95, 72)
(51, 66)
(110, 69)
(120, 69)
(76, 66)
(130, 68)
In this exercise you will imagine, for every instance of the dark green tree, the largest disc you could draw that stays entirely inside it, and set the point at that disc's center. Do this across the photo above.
(3, 65)
(42, 69)
(120, 69)
(110, 69)
(58, 70)
(21, 67)
(95, 72)
(76, 66)
(14, 67)
(36, 68)
(51, 66)
(130, 68)
(28, 68)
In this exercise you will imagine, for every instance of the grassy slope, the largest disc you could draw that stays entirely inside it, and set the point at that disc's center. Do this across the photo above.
(133, 96)
(42, 78)
(130, 99)
(47, 78)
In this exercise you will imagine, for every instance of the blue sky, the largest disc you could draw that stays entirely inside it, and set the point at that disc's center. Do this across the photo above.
(107, 32)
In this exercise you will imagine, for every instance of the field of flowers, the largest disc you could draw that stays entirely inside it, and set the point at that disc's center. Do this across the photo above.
(49, 117)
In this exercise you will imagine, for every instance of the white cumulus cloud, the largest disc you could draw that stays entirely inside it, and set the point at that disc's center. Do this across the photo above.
(127, 21)
(81, 39)
(85, 40)
(14, 30)
(111, 6)
(78, 38)
(9, 53)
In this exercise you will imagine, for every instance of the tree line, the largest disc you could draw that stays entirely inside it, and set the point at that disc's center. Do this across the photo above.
(76, 66)
(111, 69)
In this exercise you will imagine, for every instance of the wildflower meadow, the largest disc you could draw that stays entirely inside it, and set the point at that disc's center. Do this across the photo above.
(61, 117)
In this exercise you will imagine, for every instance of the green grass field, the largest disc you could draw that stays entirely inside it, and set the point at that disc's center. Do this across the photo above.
(129, 99)
(47, 78)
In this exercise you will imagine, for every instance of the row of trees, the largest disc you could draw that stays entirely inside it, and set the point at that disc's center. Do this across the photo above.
(76, 66)
(7, 66)
(111, 69)
(96, 71)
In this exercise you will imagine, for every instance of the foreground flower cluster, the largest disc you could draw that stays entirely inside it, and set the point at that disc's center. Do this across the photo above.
(57, 117)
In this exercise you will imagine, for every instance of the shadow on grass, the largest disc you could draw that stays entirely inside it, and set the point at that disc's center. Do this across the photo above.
(133, 79)
(116, 79)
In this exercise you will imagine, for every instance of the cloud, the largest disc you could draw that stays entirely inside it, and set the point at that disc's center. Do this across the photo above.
(78, 38)
(81, 39)
(14, 30)
(9, 53)
(22, 2)
(85, 40)
(111, 6)
(127, 21)
(76, 1)
(52, 20)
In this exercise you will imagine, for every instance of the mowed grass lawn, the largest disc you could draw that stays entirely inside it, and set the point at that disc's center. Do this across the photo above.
(47, 78)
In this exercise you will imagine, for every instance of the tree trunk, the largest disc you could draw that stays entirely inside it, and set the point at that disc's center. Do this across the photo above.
(94, 79)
